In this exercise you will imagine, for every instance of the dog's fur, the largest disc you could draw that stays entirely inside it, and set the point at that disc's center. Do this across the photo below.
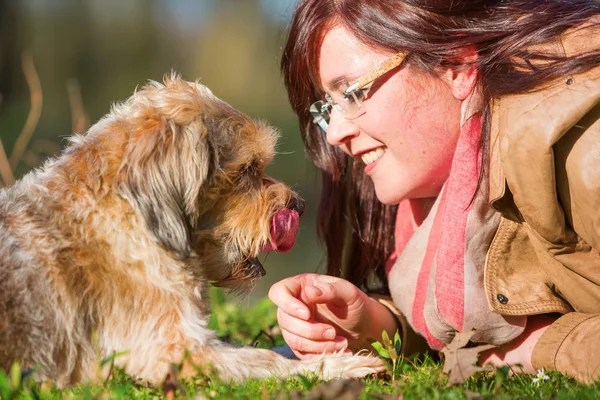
(112, 246)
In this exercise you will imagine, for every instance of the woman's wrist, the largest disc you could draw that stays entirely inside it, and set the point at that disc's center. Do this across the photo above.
(378, 318)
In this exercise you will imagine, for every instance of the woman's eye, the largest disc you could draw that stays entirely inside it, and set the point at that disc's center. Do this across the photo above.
(355, 95)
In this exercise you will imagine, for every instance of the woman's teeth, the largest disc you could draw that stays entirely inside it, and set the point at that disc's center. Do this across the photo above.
(372, 156)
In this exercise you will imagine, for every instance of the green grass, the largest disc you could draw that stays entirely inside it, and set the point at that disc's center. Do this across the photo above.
(257, 326)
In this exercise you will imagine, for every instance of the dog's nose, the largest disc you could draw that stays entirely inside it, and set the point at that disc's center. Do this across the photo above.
(296, 204)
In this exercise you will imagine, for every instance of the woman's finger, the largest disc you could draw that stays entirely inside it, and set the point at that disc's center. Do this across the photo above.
(285, 294)
(311, 330)
(302, 346)
(340, 293)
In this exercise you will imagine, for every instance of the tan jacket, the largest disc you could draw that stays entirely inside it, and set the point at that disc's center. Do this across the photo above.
(545, 182)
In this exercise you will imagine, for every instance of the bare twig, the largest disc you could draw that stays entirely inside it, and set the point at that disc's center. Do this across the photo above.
(6, 176)
(79, 118)
(35, 89)
(31, 159)
(5, 171)
(38, 150)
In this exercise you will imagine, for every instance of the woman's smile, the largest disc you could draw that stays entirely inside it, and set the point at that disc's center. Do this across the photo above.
(372, 158)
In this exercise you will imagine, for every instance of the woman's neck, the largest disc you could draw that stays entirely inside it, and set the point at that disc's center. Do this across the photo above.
(420, 208)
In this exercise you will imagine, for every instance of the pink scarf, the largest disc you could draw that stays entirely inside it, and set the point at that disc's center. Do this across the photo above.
(436, 273)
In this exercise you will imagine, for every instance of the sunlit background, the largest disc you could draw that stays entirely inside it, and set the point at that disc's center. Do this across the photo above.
(91, 53)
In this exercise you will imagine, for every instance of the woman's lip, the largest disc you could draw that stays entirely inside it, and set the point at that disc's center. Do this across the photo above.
(370, 167)
(360, 153)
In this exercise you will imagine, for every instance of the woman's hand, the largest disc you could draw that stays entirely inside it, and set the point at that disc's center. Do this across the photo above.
(323, 314)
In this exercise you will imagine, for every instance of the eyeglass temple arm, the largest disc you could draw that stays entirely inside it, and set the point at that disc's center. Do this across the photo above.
(386, 66)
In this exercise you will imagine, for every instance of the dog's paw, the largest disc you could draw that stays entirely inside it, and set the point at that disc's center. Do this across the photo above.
(355, 366)
(339, 366)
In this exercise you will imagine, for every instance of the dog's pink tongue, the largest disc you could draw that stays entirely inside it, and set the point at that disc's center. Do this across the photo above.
(283, 230)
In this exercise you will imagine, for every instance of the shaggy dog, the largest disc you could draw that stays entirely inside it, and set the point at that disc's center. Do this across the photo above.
(112, 246)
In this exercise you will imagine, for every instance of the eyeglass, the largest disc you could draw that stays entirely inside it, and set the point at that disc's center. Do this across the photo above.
(349, 98)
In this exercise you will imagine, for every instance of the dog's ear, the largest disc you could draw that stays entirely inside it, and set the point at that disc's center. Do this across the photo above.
(162, 171)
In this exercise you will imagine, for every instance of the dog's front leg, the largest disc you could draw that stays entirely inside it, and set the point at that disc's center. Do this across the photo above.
(240, 363)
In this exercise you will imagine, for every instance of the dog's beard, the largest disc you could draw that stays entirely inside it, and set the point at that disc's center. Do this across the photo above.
(243, 277)
(225, 264)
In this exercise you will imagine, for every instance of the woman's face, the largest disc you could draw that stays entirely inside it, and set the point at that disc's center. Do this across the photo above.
(412, 116)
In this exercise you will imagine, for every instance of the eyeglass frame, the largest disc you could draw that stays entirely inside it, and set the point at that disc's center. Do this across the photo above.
(316, 109)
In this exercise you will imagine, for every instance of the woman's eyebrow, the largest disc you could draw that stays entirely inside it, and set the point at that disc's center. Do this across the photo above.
(336, 82)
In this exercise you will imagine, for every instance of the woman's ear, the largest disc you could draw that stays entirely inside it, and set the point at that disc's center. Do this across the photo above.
(462, 74)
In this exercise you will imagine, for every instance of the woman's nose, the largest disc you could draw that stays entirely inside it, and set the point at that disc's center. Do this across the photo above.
(340, 130)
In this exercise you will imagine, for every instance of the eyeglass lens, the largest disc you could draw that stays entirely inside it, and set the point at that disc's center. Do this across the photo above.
(346, 103)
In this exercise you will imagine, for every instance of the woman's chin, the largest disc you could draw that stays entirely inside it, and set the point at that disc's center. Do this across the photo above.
(388, 196)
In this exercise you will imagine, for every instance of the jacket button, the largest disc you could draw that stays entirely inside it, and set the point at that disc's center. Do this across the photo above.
(502, 299)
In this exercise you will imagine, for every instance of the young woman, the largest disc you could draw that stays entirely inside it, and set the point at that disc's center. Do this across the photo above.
(459, 144)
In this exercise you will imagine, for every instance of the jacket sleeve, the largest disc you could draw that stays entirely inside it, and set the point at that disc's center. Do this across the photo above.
(412, 342)
(578, 177)
(570, 346)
